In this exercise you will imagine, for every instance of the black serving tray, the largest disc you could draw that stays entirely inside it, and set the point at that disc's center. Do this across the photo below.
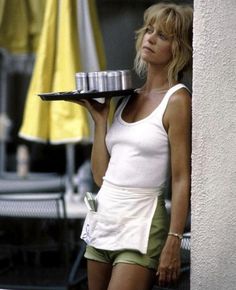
(77, 95)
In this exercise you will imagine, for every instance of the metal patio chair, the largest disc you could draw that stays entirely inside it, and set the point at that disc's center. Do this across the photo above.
(34, 234)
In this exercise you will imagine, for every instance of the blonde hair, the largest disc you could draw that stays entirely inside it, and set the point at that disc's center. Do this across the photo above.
(175, 21)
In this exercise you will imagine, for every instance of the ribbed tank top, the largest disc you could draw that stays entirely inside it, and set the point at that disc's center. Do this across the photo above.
(139, 151)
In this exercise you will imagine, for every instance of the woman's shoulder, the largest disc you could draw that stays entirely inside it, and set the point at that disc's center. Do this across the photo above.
(181, 95)
(179, 103)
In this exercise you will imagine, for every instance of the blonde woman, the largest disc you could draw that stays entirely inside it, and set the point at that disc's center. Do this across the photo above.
(130, 241)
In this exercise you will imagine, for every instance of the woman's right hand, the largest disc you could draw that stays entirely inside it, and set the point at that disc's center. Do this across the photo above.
(99, 111)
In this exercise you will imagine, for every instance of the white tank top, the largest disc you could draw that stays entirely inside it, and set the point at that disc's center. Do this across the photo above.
(139, 151)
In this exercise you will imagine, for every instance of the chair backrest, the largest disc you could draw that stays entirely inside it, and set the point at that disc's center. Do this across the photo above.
(48, 205)
(33, 231)
(185, 250)
(32, 184)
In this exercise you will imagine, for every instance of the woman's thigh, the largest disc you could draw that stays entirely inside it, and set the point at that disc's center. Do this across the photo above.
(131, 277)
(99, 275)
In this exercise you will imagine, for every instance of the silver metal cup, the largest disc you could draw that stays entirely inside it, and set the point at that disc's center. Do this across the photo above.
(93, 81)
(81, 80)
(126, 79)
(102, 81)
(113, 80)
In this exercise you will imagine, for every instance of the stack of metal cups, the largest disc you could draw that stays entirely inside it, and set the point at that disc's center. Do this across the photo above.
(100, 81)
(81, 81)
(126, 79)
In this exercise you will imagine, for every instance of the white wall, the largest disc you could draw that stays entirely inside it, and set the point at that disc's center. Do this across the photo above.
(214, 146)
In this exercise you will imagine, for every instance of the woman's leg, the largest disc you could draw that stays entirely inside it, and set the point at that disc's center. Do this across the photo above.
(131, 277)
(99, 275)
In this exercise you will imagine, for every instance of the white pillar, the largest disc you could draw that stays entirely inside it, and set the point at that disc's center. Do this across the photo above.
(213, 256)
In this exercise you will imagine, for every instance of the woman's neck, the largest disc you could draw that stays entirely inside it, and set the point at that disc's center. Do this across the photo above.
(156, 82)
(157, 79)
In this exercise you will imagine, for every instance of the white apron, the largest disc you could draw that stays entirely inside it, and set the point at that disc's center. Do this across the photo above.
(123, 218)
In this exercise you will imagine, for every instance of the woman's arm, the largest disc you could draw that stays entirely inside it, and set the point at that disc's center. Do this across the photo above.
(177, 121)
(100, 156)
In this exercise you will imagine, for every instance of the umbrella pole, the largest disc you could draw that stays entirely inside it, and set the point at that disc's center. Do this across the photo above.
(3, 110)
(70, 169)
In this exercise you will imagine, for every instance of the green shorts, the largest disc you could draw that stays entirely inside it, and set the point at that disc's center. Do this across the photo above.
(157, 238)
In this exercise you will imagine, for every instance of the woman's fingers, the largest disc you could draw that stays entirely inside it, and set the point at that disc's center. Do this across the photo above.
(162, 278)
(167, 275)
(79, 102)
(98, 111)
(175, 276)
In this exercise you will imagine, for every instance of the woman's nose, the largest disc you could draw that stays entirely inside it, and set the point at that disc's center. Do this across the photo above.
(152, 37)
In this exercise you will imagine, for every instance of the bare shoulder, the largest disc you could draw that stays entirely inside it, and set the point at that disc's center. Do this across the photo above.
(179, 108)
(180, 102)
(182, 97)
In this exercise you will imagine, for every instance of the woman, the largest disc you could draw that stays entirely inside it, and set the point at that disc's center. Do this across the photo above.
(130, 240)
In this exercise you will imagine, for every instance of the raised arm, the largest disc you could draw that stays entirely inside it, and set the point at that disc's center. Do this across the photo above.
(178, 124)
(100, 156)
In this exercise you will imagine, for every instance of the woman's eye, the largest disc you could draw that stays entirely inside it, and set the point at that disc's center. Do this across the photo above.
(162, 36)
(149, 30)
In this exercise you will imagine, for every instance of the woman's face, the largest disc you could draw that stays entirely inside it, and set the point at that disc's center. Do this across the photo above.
(156, 47)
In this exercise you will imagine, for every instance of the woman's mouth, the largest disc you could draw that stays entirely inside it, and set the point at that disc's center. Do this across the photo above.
(148, 49)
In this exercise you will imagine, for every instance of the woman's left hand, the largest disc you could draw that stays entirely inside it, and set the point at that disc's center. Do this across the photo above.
(169, 265)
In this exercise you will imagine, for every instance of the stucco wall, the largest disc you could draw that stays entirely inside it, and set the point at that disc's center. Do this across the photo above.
(214, 146)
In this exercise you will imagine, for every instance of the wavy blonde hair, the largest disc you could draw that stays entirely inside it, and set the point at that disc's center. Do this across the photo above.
(175, 21)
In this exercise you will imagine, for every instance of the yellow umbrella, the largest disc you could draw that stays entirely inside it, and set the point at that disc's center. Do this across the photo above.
(36, 115)
(58, 59)
(68, 121)
(20, 24)
(90, 40)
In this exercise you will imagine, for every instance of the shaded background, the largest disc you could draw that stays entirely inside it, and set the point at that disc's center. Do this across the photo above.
(118, 21)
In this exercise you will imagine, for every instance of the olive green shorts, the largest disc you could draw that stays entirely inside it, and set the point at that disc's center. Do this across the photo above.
(157, 237)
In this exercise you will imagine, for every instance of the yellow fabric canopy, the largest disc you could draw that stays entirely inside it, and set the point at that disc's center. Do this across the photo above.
(57, 61)
(20, 24)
